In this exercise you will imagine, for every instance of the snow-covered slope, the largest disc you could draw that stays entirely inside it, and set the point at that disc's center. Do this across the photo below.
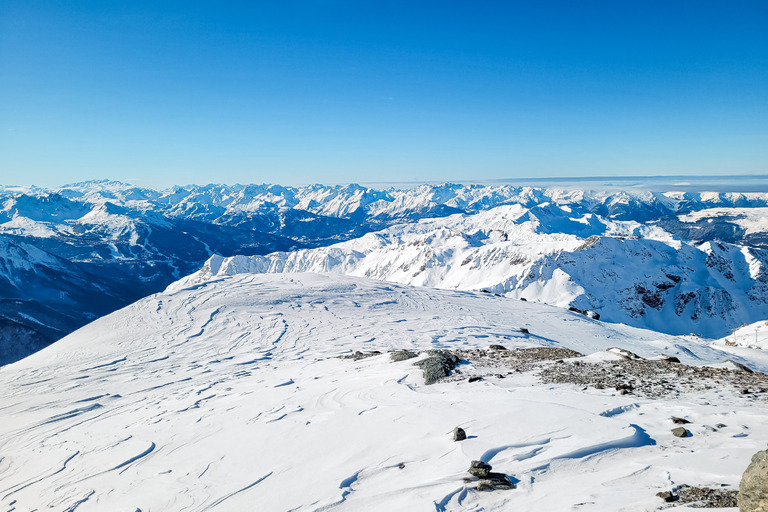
(626, 271)
(226, 395)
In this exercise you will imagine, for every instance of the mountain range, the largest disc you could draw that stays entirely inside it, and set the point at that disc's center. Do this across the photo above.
(72, 254)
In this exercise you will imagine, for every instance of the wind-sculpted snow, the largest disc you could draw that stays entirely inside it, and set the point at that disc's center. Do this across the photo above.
(227, 395)
(625, 271)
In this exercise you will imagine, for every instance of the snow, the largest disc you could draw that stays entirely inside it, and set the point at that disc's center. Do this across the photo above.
(619, 269)
(752, 220)
(227, 395)
(754, 335)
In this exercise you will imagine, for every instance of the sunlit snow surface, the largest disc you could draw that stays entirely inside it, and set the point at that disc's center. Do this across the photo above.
(227, 395)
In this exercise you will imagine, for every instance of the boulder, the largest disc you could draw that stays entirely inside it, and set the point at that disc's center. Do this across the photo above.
(497, 347)
(402, 355)
(459, 434)
(681, 432)
(438, 365)
(494, 482)
(753, 490)
(666, 496)
(479, 469)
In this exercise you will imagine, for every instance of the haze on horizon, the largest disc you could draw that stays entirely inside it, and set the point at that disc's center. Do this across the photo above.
(335, 92)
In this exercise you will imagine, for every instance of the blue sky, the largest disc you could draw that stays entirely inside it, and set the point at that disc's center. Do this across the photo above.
(334, 91)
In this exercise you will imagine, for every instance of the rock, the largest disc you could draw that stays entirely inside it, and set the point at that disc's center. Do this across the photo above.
(524, 330)
(495, 481)
(475, 379)
(666, 496)
(402, 355)
(459, 434)
(497, 347)
(753, 490)
(705, 497)
(479, 469)
(438, 365)
(681, 432)
(679, 421)
(668, 359)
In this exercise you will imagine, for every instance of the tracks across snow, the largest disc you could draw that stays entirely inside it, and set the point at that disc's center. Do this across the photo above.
(257, 404)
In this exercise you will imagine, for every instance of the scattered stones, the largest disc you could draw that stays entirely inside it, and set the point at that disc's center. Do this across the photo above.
(680, 432)
(753, 490)
(647, 378)
(402, 355)
(479, 469)
(666, 496)
(438, 365)
(700, 497)
(705, 497)
(652, 378)
(497, 347)
(356, 356)
(680, 421)
(459, 434)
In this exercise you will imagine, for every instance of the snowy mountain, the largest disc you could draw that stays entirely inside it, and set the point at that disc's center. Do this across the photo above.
(45, 297)
(626, 271)
(145, 239)
(230, 395)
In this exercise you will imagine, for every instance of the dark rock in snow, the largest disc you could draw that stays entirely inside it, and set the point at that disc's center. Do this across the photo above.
(666, 496)
(679, 421)
(459, 434)
(438, 365)
(479, 469)
(495, 481)
(753, 490)
(680, 432)
(497, 347)
(402, 355)
(475, 378)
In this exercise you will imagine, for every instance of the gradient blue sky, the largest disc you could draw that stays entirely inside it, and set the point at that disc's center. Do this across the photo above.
(294, 92)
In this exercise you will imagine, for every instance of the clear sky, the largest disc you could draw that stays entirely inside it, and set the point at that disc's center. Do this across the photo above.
(333, 91)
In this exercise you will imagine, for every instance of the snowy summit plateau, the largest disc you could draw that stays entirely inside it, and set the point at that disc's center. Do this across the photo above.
(438, 348)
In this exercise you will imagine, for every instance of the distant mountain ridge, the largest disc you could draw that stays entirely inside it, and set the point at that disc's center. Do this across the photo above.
(124, 242)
